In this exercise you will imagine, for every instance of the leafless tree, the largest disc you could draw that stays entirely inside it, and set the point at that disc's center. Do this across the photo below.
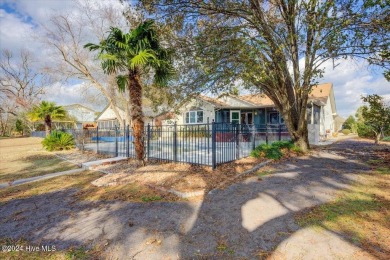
(21, 86)
(68, 33)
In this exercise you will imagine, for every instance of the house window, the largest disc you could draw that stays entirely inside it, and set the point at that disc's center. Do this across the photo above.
(194, 117)
(247, 118)
(224, 116)
(108, 124)
(274, 118)
(308, 111)
(235, 117)
(317, 111)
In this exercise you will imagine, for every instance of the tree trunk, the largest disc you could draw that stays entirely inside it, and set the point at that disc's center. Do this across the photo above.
(48, 125)
(377, 137)
(297, 128)
(135, 94)
(300, 139)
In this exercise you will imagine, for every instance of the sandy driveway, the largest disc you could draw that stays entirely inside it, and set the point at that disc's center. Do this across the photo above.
(244, 220)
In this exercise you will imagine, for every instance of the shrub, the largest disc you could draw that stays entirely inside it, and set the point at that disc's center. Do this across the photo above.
(346, 131)
(283, 144)
(386, 139)
(364, 130)
(58, 140)
(297, 150)
(273, 151)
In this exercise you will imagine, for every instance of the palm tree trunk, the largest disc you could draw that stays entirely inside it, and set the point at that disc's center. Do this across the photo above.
(135, 94)
(48, 125)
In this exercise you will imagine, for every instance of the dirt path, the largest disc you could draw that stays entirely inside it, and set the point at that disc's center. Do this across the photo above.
(248, 219)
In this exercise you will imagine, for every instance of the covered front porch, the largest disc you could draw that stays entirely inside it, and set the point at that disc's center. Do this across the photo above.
(257, 116)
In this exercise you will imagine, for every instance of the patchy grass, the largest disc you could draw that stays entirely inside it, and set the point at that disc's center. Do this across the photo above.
(84, 190)
(386, 139)
(361, 214)
(223, 249)
(383, 170)
(25, 157)
(23, 252)
(150, 198)
(78, 181)
(262, 173)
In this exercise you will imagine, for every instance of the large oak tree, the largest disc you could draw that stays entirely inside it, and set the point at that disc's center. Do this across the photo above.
(278, 46)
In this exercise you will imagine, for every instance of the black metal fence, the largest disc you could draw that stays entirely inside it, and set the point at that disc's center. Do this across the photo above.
(205, 144)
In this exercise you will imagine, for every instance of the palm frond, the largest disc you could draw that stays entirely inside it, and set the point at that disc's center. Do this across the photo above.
(107, 56)
(163, 74)
(142, 58)
(39, 112)
(92, 46)
(138, 49)
(122, 82)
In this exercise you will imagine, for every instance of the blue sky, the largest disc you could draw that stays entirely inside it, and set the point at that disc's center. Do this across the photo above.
(21, 20)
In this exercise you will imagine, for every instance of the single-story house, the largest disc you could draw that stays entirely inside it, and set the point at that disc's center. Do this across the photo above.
(84, 118)
(258, 109)
(107, 118)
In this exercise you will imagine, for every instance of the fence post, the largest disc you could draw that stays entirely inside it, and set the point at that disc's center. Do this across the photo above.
(97, 139)
(82, 139)
(175, 142)
(266, 133)
(124, 139)
(237, 141)
(213, 145)
(207, 135)
(127, 141)
(280, 132)
(116, 141)
(148, 141)
(253, 137)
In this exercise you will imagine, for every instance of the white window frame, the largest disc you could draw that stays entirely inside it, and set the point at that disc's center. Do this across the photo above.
(239, 116)
(188, 115)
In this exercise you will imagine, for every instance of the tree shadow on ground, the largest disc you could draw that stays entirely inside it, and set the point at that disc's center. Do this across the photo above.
(248, 219)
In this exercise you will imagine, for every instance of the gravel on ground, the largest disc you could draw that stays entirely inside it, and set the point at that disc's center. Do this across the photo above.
(248, 219)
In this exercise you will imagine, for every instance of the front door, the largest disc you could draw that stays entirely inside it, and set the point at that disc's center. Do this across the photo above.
(235, 116)
(247, 118)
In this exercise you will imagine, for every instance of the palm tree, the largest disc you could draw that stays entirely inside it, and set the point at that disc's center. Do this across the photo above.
(135, 53)
(46, 111)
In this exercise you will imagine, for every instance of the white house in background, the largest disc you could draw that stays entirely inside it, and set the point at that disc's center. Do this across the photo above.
(258, 109)
(107, 118)
(84, 116)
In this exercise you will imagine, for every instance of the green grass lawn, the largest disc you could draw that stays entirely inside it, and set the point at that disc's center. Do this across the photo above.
(361, 214)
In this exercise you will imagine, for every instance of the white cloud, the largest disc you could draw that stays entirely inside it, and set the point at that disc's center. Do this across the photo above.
(79, 93)
(351, 79)
(15, 34)
(40, 10)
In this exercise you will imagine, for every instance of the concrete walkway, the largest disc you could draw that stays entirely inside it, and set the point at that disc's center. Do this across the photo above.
(250, 220)
(38, 178)
(93, 164)
(84, 166)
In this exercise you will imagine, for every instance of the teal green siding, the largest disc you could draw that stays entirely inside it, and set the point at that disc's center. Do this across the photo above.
(260, 117)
